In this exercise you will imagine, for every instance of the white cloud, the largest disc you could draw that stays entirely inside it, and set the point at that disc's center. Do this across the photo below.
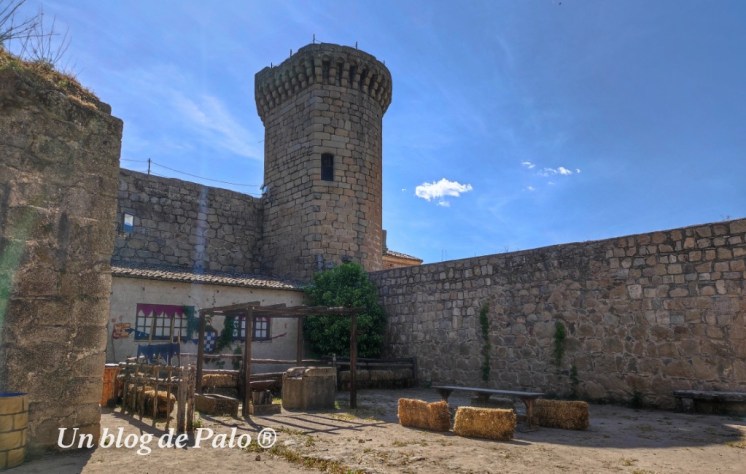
(530, 188)
(561, 170)
(441, 189)
(528, 164)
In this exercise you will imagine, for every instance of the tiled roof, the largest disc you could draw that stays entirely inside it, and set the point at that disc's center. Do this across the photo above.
(185, 276)
(392, 253)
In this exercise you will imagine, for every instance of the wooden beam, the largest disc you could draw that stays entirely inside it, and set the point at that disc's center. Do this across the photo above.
(200, 350)
(248, 334)
(232, 307)
(299, 343)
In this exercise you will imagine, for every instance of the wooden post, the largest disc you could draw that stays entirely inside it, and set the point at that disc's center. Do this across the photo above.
(247, 362)
(299, 344)
(353, 361)
(190, 399)
(152, 328)
(200, 350)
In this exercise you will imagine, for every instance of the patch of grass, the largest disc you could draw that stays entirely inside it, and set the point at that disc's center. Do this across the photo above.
(740, 444)
(197, 422)
(636, 401)
(42, 73)
(291, 431)
(343, 416)
(401, 444)
(628, 462)
(309, 462)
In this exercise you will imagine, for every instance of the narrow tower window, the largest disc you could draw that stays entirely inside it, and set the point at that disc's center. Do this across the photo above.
(327, 167)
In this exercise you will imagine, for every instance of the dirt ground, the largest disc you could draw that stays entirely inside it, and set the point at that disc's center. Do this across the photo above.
(369, 439)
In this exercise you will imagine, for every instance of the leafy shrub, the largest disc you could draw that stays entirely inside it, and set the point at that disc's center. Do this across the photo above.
(346, 285)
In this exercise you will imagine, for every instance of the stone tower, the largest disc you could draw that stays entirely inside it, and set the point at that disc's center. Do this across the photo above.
(322, 111)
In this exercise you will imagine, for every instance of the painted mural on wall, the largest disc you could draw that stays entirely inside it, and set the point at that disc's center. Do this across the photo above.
(166, 332)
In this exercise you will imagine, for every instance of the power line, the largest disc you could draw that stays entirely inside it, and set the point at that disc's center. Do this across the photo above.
(151, 162)
(202, 177)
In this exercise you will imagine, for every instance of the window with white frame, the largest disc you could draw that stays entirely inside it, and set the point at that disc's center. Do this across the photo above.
(162, 322)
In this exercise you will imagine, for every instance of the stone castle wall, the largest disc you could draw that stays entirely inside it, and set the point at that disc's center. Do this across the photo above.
(644, 315)
(325, 99)
(58, 181)
(188, 225)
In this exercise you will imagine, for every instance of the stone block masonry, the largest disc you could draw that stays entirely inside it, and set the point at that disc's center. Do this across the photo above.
(326, 102)
(187, 225)
(643, 315)
(58, 180)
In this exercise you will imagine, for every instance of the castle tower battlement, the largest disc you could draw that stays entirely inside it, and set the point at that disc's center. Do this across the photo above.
(322, 110)
(327, 64)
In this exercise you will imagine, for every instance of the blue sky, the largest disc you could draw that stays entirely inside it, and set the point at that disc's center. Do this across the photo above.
(514, 124)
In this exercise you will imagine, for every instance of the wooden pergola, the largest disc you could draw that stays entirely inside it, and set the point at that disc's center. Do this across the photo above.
(254, 308)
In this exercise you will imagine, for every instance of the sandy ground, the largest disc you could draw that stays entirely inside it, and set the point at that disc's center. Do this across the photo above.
(370, 439)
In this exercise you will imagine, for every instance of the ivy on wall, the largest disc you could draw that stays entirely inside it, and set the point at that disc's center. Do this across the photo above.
(484, 324)
(560, 335)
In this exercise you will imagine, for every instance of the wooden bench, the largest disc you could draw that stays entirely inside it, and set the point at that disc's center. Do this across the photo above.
(686, 400)
(484, 394)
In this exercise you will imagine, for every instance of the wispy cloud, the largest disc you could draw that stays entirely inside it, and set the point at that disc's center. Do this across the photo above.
(528, 164)
(439, 190)
(561, 170)
(210, 118)
(546, 172)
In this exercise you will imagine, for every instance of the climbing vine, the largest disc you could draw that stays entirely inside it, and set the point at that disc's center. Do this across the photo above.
(192, 322)
(484, 323)
(226, 335)
(559, 343)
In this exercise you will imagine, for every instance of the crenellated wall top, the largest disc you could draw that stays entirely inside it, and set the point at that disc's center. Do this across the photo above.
(323, 63)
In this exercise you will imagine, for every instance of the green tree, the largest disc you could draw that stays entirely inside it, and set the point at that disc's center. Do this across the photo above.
(346, 285)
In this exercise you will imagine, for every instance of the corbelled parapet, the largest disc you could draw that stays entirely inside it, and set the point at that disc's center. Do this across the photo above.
(322, 111)
(327, 64)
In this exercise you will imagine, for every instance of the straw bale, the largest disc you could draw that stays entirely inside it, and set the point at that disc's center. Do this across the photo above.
(568, 415)
(166, 401)
(413, 413)
(361, 376)
(420, 414)
(219, 380)
(381, 375)
(490, 423)
(438, 416)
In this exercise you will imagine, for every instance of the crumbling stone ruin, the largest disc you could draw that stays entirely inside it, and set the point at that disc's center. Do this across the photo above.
(59, 149)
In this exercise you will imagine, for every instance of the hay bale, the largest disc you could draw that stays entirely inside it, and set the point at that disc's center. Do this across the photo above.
(166, 402)
(212, 381)
(380, 377)
(420, 414)
(438, 416)
(567, 415)
(413, 413)
(489, 423)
